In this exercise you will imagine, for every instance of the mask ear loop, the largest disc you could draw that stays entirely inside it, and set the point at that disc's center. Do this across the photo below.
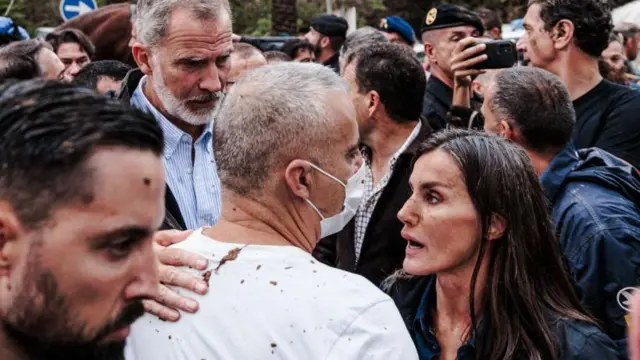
(314, 208)
(327, 174)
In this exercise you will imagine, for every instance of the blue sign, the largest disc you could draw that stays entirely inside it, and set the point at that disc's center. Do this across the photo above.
(72, 8)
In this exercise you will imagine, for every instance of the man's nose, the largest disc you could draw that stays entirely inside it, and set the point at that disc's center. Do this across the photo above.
(74, 69)
(144, 270)
(211, 81)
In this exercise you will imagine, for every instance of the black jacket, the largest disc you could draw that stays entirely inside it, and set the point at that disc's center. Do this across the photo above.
(438, 98)
(173, 217)
(334, 63)
(383, 248)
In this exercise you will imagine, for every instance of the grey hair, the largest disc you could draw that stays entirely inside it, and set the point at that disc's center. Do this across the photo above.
(152, 16)
(272, 115)
(537, 103)
(363, 36)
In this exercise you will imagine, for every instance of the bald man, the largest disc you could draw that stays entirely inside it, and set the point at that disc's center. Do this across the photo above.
(245, 57)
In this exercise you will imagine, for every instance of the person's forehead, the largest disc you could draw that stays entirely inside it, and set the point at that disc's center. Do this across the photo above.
(533, 15)
(437, 166)
(615, 46)
(186, 33)
(463, 29)
(120, 176)
(70, 49)
(106, 83)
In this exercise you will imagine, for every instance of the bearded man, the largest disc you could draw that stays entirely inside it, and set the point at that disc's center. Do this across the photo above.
(182, 49)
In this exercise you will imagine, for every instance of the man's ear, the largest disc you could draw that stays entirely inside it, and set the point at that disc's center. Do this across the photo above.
(373, 103)
(10, 230)
(298, 178)
(562, 34)
(142, 56)
(505, 130)
(497, 227)
(430, 52)
(325, 42)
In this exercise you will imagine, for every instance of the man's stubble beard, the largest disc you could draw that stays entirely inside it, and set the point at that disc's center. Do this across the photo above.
(177, 108)
(41, 324)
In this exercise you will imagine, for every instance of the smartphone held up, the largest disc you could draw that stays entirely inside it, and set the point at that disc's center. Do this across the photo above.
(501, 54)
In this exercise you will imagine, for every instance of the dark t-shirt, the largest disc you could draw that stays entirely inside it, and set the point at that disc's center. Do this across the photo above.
(608, 117)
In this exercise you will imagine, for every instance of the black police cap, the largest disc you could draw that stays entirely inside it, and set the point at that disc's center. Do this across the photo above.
(330, 25)
(447, 16)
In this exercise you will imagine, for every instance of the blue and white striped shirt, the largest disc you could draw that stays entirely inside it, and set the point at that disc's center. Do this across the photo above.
(194, 184)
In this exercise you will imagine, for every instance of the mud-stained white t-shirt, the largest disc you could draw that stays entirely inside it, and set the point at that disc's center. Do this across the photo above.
(275, 302)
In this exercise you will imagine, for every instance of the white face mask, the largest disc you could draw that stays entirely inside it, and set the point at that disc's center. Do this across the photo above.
(354, 192)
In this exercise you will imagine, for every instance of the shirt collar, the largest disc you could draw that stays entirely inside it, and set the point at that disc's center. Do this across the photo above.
(412, 137)
(172, 134)
(559, 168)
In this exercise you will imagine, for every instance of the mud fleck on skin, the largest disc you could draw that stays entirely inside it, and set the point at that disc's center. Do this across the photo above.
(231, 255)
(206, 276)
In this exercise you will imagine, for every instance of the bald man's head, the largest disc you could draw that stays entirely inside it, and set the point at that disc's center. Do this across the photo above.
(244, 58)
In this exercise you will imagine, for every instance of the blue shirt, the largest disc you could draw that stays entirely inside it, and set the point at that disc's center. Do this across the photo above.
(195, 184)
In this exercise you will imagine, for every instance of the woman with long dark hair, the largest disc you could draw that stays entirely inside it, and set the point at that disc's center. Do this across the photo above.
(484, 276)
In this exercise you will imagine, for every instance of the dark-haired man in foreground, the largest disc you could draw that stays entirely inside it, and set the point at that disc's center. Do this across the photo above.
(566, 37)
(81, 194)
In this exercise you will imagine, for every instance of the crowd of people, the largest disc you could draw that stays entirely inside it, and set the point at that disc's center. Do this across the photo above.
(337, 198)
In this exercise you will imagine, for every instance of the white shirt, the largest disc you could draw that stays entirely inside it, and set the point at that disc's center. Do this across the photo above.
(276, 302)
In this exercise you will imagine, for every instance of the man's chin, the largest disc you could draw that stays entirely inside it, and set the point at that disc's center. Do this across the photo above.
(198, 117)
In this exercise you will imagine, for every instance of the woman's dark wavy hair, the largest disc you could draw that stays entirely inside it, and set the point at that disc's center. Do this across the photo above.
(527, 284)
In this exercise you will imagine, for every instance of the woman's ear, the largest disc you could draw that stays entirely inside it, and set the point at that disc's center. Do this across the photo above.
(497, 227)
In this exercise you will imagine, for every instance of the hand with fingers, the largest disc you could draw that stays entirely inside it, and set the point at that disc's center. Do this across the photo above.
(464, 56)
(167, 301)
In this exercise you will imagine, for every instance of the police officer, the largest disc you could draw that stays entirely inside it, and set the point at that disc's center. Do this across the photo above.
(327, 34)
(444, 26)
(398, 30)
